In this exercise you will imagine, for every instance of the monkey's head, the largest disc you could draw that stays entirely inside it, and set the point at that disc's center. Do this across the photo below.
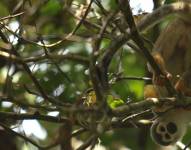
(167, 132)
(170, 127)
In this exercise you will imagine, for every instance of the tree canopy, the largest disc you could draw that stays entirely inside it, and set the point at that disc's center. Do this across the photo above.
(77, 67)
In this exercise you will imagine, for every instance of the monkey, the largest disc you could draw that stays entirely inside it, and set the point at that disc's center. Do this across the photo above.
(172, 52)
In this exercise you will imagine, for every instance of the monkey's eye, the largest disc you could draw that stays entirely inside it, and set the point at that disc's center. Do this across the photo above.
(162, 129)
(171, 128)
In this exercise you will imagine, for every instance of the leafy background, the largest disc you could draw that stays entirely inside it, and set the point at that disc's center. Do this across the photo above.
(51, 20)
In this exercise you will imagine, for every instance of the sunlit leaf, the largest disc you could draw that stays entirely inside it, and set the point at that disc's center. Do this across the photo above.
(114, 102)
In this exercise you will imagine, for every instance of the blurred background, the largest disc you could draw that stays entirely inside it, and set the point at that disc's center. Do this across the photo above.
(46, 22)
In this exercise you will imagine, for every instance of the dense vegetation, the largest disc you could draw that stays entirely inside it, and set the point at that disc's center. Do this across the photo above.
(70, 65)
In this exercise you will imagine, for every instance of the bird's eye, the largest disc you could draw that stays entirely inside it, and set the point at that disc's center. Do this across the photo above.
(171, 128)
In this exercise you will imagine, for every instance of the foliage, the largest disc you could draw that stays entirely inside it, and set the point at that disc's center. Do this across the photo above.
(51, 51)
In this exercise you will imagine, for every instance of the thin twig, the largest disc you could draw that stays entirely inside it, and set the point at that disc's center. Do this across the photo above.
(83, 18)
(68, 37)
(12, 16)
(133, 78)
(57, 57)
(85, 21)
(24, 104)
(116, 124)
(88, 142)
(146, 104)
(131, 117)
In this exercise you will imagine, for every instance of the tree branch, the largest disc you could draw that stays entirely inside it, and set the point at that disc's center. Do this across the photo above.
(57, 57)
(149, 103)
(34, 116)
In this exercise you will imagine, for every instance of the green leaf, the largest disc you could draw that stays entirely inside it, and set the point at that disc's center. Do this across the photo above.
(114, 102)
(51, 8)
